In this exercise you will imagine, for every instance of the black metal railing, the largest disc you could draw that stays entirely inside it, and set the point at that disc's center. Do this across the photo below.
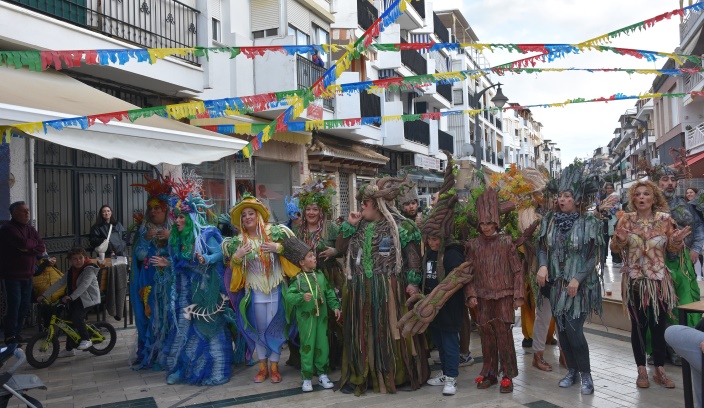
(445, 90)
(498, 124)
(414, 61)
(417, 131)
(151, 24)
(446, 141)
(419, 6)
(307, 72)
(366, 14)
(370, 106)
(440, 29)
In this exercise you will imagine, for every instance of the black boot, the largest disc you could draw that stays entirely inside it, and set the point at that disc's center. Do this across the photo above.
(587, 384)
(571, 378)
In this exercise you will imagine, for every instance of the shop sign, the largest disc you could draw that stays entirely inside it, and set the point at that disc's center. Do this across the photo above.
(427, 162)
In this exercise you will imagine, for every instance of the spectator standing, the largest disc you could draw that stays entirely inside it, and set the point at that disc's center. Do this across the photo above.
(100, 230)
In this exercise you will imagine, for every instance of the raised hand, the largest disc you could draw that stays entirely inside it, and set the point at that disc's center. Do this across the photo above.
(243, 250)
(621, 233)
(679, 235)
(354, 217)
(270, 247)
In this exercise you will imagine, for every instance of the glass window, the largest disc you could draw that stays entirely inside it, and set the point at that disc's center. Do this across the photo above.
(216, 29)
(216, 183)
(457, 95)
(273, 183)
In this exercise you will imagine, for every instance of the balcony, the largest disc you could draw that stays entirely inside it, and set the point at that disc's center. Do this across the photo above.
(691, 81)
(445, 90)
(498, 124)
(689, 29)
(446, 141)
(694, 139)
(307, 73)
(366, 14)
(417, 131)
(440, 29)
(155, 24)
(415, 62)
(419, 6)
(370, 106)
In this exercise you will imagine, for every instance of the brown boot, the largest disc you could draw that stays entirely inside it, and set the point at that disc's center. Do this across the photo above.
(642, 381)
(660, 378)
(540, 363)
(563, 360)
(275, 375)
(263, 372)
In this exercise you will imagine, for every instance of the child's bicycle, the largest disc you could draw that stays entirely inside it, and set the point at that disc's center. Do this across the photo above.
(43, 349)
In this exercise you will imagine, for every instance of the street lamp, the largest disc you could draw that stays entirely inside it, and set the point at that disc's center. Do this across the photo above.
(630, 126)
(499, 101)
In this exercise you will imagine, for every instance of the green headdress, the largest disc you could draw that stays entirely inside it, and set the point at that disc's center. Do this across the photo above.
(317, 190)
(576, 178)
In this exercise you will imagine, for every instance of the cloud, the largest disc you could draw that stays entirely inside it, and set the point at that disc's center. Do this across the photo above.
(578, 128)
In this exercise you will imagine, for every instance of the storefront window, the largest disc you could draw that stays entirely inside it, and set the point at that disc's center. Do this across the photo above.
(273, 183)
(216, 184)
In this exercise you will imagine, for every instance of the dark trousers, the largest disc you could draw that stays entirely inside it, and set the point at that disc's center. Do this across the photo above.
(641, 321)
(77, 315)
(448, 344)
(573, 343)
(19, 295)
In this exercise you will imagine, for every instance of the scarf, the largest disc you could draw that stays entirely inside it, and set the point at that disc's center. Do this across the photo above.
(565, 221)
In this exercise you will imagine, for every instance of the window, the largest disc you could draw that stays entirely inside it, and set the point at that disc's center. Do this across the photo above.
(216, 30)
(321, 37)
(300, 37)
(271, 32)
(457, 96)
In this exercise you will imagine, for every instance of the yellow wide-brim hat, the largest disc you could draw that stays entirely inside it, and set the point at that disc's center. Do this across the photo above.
(249, 202)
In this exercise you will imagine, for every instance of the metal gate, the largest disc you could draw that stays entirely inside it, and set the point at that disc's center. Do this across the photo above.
(344, 185)
(72, 185)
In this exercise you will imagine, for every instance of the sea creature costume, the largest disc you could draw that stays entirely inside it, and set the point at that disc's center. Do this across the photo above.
(149, 284)
(199, 347)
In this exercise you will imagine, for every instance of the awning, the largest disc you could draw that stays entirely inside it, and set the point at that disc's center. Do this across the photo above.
(426, 176)
(333, 151)
(696, 164)
(38, 96)
(300, 138)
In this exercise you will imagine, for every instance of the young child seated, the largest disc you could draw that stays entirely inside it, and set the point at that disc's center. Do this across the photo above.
(82, 292)
(311, 294)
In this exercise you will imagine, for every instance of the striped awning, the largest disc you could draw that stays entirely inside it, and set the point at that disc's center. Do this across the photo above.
(421, 38)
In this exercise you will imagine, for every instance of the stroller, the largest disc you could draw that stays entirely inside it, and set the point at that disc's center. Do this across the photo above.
(16, 384)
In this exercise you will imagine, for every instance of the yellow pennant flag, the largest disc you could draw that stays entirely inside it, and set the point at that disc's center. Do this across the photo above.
(32, 127)
(242, 128)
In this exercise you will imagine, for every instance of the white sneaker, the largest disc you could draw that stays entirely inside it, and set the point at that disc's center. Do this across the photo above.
(85, 345)
(450, 386)
(307, 386)
(437, 380)
(325, 382)
(67, 353)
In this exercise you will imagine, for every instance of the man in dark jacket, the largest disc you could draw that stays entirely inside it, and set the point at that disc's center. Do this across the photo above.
(20, 244)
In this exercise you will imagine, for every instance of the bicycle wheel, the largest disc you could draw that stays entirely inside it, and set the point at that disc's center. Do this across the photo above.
(42, 351)
(103, 336)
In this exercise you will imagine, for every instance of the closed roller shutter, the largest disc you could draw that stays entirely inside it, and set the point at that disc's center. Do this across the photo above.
(265, 14)
(299, 16)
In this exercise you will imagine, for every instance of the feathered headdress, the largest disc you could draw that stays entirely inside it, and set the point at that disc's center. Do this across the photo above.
(158, 190)
(317, 190)
(292, 209)
(187, 198)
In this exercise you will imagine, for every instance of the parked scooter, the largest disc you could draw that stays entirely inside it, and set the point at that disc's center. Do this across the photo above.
(16, 384)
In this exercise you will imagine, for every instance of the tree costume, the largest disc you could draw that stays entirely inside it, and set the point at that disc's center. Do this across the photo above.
(199, 347)
(312, 316)
(149, 284)
(383, 257)
(257, 286)
(405, 196)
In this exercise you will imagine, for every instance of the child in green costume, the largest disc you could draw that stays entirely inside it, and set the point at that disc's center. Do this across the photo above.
(308, 292)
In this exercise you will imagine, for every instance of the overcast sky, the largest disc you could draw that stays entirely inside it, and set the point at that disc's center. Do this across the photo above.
(580, 128)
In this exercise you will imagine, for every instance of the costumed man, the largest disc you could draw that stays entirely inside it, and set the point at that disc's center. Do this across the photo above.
(150, 283)
(383, 261)
(408, 201)
(682, 267)
(496, 291)
(199, 346)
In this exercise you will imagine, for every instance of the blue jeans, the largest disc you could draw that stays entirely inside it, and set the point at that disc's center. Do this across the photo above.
(685, 341)
(448, 344)
(19, 295)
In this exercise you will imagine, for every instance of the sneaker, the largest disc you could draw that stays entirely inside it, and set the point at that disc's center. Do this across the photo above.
(307, 386)
(450, 386)
(67, 353)
(466, 360)
(437, 380)
(325, 382)
(85, 345)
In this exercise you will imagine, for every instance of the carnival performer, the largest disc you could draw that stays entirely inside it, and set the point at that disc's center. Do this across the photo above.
(292, 212)
(150, 279)
(319, 232)
(257, 283)
(311, 295)
(408, 201)
(645, 237)
(199, 346)
(496, 291)
(383, 261)
(568, 253)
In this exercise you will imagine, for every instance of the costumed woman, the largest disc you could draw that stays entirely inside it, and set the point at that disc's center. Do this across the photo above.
(319, 232)
(645, 238)
(257, 283)
(383, 262)
(150, 281)
(569, 247)
(199, 347)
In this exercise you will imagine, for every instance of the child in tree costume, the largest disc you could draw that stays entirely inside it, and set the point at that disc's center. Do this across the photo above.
(311, 295)
(383, 259)
(497, 289)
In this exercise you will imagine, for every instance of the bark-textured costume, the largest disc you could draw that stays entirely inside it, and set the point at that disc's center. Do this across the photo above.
(383, 257)
(311, 316)
(498, 282)
(149, 284)
(199, 346)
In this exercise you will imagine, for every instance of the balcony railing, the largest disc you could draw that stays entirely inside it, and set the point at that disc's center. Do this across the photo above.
(691, 80)
(370, 106)
(307, 73)
(419, 6)
(414, 61)
(445, 90)
(366, 14)
(440, 29)
(151, 24)
(498, 123)
(694, 137)
(417, 131)
(446, 141)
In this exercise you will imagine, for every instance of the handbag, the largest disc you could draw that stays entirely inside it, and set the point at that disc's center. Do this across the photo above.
(103, 248)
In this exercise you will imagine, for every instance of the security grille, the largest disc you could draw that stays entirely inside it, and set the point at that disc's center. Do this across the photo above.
(344, 208)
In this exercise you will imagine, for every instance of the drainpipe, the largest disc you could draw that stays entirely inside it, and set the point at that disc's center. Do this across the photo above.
(31, 191)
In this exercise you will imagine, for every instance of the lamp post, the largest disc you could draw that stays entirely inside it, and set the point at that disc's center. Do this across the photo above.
(635, 129)
(499, 100)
